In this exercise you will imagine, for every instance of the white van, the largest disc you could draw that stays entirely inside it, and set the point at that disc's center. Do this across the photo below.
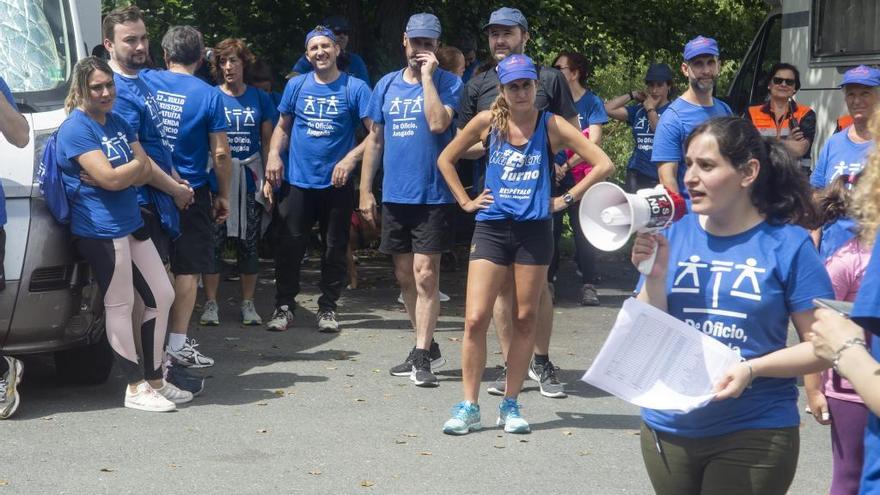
(823, 39)
(49, 304)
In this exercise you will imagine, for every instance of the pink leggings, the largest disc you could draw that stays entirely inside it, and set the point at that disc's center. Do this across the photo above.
(121, 267)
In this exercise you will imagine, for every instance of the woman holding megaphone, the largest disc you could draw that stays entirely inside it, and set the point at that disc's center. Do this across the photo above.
(737, 268)
(514, 226)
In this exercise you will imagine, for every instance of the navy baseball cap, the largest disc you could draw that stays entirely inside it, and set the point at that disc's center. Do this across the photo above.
(337, 23)
(507, 16)
(659, 73)
(423, 25)
(700, 46)
(320, 31)
(516, 66)
(864, 75)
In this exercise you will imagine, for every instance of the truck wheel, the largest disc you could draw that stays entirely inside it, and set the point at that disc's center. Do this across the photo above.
(86, 365)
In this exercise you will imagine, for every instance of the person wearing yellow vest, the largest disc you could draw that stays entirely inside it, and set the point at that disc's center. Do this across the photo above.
(781, 117)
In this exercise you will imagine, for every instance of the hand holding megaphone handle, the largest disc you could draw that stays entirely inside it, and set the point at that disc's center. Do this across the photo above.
(646, 265)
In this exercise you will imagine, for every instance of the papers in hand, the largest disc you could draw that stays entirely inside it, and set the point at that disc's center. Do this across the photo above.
(653, 360)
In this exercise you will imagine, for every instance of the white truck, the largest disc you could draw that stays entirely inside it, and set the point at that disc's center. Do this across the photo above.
(49, 304)
(823, 39)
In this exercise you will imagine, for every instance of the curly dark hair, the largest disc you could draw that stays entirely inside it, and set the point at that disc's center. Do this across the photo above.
(227, 47)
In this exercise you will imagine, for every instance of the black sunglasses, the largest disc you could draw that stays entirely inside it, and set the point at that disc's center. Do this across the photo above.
(782, 80)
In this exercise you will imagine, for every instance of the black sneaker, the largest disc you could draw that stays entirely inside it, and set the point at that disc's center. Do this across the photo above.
(546, 377)
(404, 368)
(589, 296)
(182, 379)
(498, 386)
(421, 370)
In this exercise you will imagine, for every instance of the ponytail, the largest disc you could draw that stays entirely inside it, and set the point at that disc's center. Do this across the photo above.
(498, 124)
(781, 191)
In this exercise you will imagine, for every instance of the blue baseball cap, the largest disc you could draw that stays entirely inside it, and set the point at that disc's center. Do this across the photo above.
(864, 75)
(516, 66)
(319, 31)
(337, 23)
(507, 16)
(659, 73)
(700, 46)
(423, 25)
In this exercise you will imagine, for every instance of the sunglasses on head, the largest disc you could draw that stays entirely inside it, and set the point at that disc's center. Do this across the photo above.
(782, 80)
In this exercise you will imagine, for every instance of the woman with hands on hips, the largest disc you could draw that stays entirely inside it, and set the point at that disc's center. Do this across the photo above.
(737, 268)
(514, 226)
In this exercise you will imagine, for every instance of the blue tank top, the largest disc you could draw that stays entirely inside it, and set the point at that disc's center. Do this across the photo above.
(519, 177)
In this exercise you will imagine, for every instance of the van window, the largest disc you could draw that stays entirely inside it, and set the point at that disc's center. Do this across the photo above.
(36, 45)
(842, 28)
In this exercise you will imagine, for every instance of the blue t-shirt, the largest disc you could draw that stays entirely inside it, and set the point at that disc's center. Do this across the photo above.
(469, 71)
(740, 290)
(839, 156)
(866, 312)
(676, 124)
(136, 105)
(643, 138)
(97, 213)
(4, 88)
(190, 110)
(325, 119)
(519, 177)
(591, 111)
(835, 235)
(356, 66)
(410, 154)
(245, 115)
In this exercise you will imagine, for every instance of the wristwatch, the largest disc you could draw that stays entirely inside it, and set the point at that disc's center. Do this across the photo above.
(568, 198)
(835, 359)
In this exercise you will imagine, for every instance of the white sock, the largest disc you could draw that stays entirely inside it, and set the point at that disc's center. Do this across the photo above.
(176, 341)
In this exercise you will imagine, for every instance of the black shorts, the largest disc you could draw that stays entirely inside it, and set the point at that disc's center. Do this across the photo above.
(422, 229)
(506, 241)
(160, 238)
(193, 251)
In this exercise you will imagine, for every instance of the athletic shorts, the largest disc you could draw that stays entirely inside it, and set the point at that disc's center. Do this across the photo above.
(507, 241)
(193, 251)
(422, 229)
(160, 238)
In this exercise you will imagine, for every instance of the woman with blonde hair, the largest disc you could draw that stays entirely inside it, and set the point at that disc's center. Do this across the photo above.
(514, 225)
(842, 340)
(101, 161)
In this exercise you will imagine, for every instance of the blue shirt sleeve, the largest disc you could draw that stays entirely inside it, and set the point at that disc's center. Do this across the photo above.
(302, 65)
(377, 100)
(866, 311)
(449, 88)
(4, 88)
(667, 139)
(267, 109)
(218, 114)
(598, 115)
(287, 105)
(75, 138)
(817, 178)
(631, 112)
(362, 99)
(808, 279)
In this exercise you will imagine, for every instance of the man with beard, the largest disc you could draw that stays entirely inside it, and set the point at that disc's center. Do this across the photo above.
(508, 33)
(697, 105)
(320, 113)
(125, 39)
(412, 113)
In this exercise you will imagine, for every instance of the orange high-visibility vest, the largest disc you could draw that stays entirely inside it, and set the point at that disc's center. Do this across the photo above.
(844, 122)
(763, 119)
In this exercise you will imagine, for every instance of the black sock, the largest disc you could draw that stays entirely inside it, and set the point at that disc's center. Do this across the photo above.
(542, 359)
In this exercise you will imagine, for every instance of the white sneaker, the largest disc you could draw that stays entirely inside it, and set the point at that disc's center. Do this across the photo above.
(249, 315)
(443, 297)
(174, 394)
(147, 399)
(189, 356)
(210, 315)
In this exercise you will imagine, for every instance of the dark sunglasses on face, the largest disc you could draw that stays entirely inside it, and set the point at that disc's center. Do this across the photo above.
(782, 80)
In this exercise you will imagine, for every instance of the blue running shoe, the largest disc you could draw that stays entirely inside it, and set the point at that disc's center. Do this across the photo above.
(465, 419)
(509, 416)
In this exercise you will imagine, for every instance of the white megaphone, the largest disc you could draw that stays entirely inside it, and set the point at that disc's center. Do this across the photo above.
(609, 216)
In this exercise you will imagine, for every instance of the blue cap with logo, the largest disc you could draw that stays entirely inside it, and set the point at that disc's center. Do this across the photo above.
(423, 25)
(700, 46)
(864, 75)
(507, 16)
(516, 66)
(319, 31)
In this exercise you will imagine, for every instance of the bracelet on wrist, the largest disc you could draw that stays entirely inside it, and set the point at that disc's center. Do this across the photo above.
(751, 373)
(854, 342)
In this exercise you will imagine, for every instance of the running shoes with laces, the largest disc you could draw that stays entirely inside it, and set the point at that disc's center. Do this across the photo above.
(405, 368)
(499, 385)
(465, 419)
(249, 315)
(174, 394)
(421, 373)
(509, 416)
(189, 356)
(210, 314)
(281, 319)
(327, 321)
(146, 398)
(545, 375)
(9, 398)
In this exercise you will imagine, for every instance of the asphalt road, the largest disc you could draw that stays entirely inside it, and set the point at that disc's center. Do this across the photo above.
(304, 412)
